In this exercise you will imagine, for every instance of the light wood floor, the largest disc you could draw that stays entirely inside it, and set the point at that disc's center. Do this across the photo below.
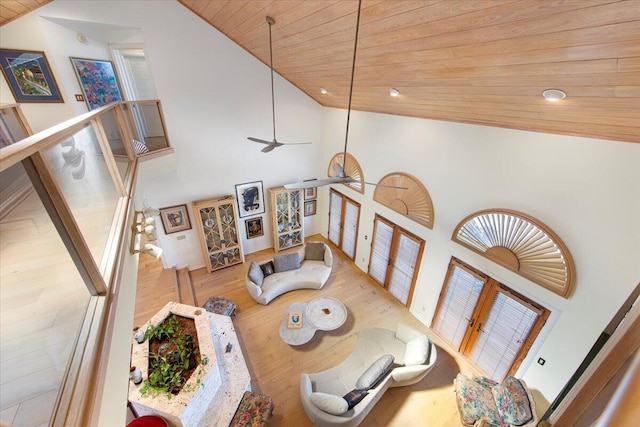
(275, 367)
(42, 304)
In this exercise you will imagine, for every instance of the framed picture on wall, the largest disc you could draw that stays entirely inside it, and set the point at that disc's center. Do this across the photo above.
(175, 218)
(253, 227)
(310, 193)
(310, 208)
(250, 198)
(29, 76)
(98, 82)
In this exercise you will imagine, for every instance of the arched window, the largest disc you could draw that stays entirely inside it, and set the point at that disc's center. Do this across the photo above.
(414, 202)
(520, 243)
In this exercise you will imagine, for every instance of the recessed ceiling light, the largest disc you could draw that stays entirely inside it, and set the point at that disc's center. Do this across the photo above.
(394, 92)
(554, 94)
(323, 91)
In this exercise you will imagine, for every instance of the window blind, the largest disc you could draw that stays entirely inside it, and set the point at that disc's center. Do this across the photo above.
(506, 328)
(403, 268)
(460, 299)
(381, 248)
(335, 214)
(349, 229)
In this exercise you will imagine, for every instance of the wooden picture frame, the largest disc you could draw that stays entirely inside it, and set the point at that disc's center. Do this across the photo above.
(29, 76)
(175, 218)
(253, 227)
(250, 198)
(98, 81)
(310, 208)
(310, 193)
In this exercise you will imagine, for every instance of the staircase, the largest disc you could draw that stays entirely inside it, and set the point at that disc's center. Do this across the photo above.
(184, 287)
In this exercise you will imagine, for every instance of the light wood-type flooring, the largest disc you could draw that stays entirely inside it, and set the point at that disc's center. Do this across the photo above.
(42, 305)
(275, 367)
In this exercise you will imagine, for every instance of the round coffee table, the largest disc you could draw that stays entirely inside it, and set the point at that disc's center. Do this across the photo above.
(320, 314)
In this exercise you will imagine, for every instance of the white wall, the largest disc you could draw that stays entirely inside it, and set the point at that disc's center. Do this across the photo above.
(586, 190)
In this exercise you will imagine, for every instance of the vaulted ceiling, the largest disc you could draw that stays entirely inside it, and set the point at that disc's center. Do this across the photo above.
(474, 61)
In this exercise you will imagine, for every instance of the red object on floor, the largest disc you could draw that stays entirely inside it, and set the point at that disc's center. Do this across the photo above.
(148, 421)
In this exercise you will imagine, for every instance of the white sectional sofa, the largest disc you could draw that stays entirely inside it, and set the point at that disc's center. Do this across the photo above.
(322, 393)
(309, 267)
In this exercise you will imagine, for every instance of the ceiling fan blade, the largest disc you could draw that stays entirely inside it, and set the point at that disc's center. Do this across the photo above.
(261, 141)
(314, 183)
(268, 148)
(294, 143)
(337, 170)
(387, 186)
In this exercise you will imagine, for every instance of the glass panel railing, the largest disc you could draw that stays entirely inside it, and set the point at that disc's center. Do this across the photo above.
(43, 301)
(146, 122)
(12, 125)
(116, 139)
(80, 169)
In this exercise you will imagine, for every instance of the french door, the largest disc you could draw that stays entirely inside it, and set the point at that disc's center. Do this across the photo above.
(395, 259)
(493, 326)
(344, 219)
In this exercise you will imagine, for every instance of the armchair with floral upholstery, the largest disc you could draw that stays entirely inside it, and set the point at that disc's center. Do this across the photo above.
(484, 402)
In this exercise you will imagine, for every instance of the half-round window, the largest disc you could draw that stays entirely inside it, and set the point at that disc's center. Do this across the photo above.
(520, 243)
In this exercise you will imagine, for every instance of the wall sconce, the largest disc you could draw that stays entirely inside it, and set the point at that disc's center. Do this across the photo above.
(143, 223)
(149, 249)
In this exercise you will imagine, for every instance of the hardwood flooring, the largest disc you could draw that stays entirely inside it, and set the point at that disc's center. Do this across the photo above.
(42, 305)
(275, 367)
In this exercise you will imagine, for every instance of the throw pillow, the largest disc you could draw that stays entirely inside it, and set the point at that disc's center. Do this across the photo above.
(486, 382)
(314, 251)
(374, 373)
(512, 401)
(267, 268)
(286, 262)
(417, 351)
(475, 401)
(139, 147)
(255, 274)
(354, 397)
(330, 403)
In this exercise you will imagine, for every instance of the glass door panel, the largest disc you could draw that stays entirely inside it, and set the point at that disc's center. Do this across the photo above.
(506, 328)
(380, 251)
(403, 268)
(335, 215)
(350, 229)
(456, 309)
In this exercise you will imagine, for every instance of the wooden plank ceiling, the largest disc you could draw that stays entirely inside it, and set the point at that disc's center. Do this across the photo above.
(474, 61)
(13, 9)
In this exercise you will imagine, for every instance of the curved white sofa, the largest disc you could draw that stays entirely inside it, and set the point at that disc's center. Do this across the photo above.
(312, 274)
(341, 379)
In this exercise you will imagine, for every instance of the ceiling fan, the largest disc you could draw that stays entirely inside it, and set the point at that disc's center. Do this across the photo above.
(339, 170)
(273, 143)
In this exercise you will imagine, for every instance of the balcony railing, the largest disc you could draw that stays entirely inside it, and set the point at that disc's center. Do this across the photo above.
(63, 247)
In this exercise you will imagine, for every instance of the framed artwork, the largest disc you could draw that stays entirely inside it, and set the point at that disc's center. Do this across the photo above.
(310, 208)
(175, 218)
(98, 82)
(254, 227)
(29, 76)
(310, 193)
(250, 198)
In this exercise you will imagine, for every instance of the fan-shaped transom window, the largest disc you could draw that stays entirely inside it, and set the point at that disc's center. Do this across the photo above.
(406, 195)
(352, 169)
(520, 243)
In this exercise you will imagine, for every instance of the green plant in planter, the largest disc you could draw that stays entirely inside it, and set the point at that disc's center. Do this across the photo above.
(174, 359)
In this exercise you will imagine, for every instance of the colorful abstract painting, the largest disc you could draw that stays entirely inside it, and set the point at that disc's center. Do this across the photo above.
(98, 82)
